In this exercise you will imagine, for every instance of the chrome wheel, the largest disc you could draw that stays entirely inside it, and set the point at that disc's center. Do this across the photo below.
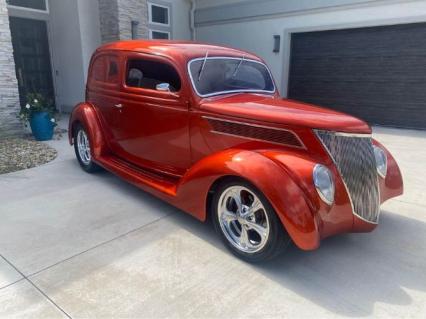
(243, 219)
(83, 147)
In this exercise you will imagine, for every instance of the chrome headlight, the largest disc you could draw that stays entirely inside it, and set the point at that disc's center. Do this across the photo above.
(381, 161)
(323, 181)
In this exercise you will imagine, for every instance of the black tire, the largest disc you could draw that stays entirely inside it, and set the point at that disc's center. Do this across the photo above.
(277, 240)
(88, 166)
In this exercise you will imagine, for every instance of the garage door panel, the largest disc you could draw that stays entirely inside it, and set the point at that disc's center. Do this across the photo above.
(382, 68)
(376, 41)
(364, 94)
(376, 111)
(359, 93)
(377, 74)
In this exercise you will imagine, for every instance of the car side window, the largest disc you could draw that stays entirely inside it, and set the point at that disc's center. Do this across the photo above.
(148, 74)
(105, 70)
(98, 69)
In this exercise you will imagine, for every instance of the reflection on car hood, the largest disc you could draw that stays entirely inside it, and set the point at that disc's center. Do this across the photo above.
(282, 111)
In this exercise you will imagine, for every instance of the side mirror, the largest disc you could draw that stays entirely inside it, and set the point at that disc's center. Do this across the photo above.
(164, 87)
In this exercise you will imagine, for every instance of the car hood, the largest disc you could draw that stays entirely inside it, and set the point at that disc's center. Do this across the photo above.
(283, 111)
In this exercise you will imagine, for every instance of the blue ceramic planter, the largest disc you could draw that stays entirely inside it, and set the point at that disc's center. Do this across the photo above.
(41, 126)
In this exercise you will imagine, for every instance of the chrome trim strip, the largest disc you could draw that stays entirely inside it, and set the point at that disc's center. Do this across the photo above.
(344, 183)
(361, 135)
(230, 91)
(256, 125)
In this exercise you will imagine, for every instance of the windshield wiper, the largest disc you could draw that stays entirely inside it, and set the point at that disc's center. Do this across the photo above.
(238, 66)
(202, 66)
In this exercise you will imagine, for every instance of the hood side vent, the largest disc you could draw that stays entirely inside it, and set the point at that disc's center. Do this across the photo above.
(255, 132)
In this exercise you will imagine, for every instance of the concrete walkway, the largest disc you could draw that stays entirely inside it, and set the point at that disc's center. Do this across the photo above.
(79, 245)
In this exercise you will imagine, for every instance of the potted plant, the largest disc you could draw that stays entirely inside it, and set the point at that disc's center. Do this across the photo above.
(40, 113)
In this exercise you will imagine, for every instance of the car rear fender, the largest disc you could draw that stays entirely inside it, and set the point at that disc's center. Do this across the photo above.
(86, 115)
(285, 195)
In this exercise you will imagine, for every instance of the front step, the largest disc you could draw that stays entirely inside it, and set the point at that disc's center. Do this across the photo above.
(140, 177)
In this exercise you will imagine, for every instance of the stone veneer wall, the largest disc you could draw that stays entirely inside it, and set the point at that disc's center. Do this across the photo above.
(116, 17)
(108, 16)
(136, 10)
(9, 95)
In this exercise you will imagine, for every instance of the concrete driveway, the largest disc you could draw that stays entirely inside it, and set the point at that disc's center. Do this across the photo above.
(79, 245)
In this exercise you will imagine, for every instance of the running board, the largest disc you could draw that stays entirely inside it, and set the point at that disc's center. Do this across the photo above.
(138, 176)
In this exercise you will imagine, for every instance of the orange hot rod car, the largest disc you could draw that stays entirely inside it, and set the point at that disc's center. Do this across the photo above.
(203, 127)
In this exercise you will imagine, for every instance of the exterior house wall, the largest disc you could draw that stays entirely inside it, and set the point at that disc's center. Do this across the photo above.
(9, 96)
(241, 26)
(66, 47)
(108, 17)
(132, 10)
(116, 17)
(74, 35)
(201, 4)
(181, 19)
(90, 29)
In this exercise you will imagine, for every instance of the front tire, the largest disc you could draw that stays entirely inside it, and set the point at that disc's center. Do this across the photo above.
(82, 148)
(247, 223)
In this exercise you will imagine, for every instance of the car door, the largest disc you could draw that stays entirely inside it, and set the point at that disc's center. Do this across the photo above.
(103, 92)
(154, 122)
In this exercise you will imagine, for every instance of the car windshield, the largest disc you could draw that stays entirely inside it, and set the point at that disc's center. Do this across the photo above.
(220, 75)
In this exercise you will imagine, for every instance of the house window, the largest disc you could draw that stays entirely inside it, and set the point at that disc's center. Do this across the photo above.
(159, 14)
(154, 34)
(40, 5)
(159, 20)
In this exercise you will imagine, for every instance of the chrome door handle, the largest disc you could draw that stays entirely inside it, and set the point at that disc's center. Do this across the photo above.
(119, 106)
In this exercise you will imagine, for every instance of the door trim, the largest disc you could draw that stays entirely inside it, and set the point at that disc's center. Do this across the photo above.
(11, 6)
(42, 16)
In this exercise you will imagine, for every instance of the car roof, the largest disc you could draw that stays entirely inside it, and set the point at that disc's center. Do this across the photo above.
(184, 49)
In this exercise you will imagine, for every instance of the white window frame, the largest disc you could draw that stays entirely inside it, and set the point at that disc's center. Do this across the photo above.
(161, 31)
(150, 4)
(30, 9)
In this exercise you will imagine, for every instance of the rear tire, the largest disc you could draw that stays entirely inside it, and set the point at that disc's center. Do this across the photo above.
(82, 148)
(247, 222)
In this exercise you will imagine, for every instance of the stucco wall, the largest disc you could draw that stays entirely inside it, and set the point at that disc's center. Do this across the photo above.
(180, 19)
(74, 35)
(90, 30)
(9, 96)
(256, 33)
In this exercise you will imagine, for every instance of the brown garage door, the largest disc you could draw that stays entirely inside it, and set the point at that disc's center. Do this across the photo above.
(377, 74)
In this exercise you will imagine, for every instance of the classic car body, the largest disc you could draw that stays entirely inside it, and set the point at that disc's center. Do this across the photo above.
(180, 144)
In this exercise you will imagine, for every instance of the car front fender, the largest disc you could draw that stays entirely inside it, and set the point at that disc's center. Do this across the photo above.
(392, 185)
(285, 195)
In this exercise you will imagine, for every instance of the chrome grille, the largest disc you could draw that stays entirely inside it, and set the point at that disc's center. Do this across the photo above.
(354, 158)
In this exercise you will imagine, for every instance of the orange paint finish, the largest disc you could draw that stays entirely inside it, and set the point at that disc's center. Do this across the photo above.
(392, 185)
(86, 115)
(164, 143)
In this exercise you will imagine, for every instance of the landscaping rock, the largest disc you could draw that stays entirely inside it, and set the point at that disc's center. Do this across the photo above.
(19, 153)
